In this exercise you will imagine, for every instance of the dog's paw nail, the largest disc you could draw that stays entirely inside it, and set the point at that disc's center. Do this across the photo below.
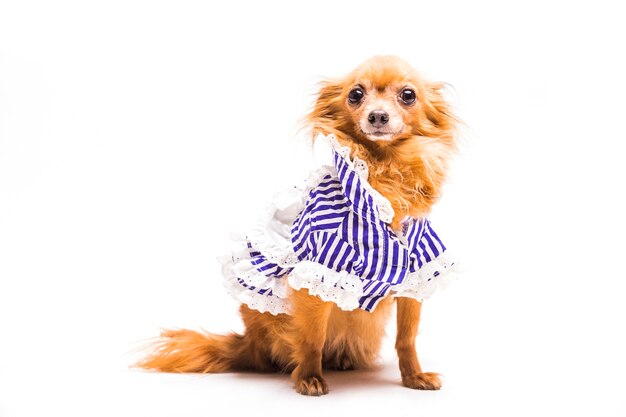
(425, 381)
(314, 385)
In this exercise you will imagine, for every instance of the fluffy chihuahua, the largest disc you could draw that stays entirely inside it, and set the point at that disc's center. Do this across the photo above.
(358, 242)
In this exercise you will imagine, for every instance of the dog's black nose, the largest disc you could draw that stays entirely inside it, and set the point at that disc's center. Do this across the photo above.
(378, 118)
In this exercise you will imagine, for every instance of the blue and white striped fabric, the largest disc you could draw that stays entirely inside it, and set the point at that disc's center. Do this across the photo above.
(342, 249)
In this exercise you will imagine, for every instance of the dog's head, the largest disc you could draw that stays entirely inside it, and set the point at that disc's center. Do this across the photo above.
(396, 121)
(382, 101)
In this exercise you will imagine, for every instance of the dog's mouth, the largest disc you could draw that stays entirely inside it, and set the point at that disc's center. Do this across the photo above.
(378, 134)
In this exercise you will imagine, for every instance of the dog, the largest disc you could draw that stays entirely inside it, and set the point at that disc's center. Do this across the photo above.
(393, 136)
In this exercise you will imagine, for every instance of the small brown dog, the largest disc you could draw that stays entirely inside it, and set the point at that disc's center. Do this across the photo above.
(387, 118)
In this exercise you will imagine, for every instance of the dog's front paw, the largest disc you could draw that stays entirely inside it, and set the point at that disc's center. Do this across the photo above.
(424, 380)
(312, 385)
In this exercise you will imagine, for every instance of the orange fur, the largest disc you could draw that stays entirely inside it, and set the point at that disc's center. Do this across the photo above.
(409, 170)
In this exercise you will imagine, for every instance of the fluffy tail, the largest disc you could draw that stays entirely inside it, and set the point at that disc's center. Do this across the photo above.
(190, 351)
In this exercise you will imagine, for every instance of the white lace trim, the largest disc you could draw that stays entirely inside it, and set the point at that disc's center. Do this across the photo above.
(360, 167)
(262, 303)
(422, 283)
(309, 275)
(239, 266)
(342, 288)
(419, 285)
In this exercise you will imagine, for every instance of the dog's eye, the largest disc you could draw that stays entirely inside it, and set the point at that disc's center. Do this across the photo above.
(356, 95)
(408, 96)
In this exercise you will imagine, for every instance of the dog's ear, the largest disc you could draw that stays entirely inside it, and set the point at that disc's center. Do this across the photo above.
(437, 109)
(439, 120)
(325, 117)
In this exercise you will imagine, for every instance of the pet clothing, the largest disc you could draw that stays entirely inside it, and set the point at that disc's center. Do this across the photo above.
(332, 236)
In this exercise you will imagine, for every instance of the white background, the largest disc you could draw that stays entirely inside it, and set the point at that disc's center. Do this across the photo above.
(135, 136)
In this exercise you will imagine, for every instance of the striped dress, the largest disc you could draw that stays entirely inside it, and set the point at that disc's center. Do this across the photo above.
(333, 238)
